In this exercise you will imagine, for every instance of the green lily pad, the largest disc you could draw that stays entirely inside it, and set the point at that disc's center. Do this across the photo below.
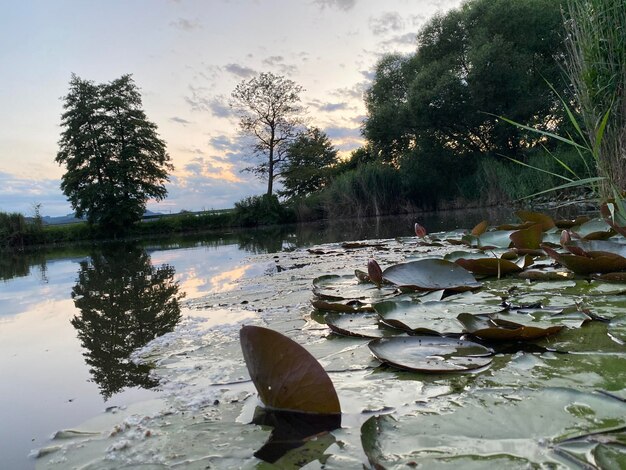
(360, 325)
(343, 306)
(495, 239)
(285, 374)
(594, 229)
(492, 328)
(432, 318)
(431, 354)
(431, 274)
(489, 428)
(348, 287)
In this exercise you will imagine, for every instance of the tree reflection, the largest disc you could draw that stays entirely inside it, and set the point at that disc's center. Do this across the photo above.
(124, 303)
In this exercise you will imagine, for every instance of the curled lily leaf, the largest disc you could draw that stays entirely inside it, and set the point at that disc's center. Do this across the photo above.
(375, 272)
(420, 231)
(565, 237)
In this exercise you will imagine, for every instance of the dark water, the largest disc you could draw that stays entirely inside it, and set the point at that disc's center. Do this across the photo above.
(71, 317)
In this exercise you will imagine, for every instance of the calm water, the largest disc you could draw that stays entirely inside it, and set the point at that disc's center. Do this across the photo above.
(70, 318)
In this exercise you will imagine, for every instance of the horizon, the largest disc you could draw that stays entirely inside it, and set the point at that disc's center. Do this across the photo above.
(186, 57)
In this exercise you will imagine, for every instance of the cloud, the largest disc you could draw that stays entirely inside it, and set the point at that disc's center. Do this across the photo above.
(344, 5)
(180, 120)
(19, 194)
(185, 25)
(221, 142)
(386, 23)
(278, 62)
(329, 107)
(240, 70)
(355, 92)
(408, 39)
(344, 138)
(216, 105)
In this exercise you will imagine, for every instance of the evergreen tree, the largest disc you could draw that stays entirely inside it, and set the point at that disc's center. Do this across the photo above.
(114, 158)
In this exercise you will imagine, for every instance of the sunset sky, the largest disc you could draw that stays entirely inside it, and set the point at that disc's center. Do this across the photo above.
(186, 56)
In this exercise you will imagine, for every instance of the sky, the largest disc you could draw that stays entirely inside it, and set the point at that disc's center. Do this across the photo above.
(186, 57)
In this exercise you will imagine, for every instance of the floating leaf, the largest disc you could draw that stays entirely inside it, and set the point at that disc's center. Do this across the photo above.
(334, 287)
(431, 274)
(285, 374)
(593, 248)
(546, 275)
(342, 306)
(528, 238)
(604, 263)
(362, 276)
(361, 325)
(544, 220)
(489, 266)
(496, 329)
(491, 428)
(480, 228)
(594, 229)
(495, 239)
(433, 354)
(612, 277)
(431, 318)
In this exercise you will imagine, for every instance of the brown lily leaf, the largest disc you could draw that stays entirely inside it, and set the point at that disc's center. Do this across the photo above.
(489, 266)
(494, 329)
(598, 263)
(285, 374)
(528, 238)
(342, 306)
(480, 228)
(544, 220)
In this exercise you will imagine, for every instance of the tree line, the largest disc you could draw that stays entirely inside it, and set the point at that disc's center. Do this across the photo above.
(433, 136)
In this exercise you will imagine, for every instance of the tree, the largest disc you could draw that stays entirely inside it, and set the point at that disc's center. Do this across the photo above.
(309, 166)
(114, 158)
(489, 56)
(269, 111)
(124, 303)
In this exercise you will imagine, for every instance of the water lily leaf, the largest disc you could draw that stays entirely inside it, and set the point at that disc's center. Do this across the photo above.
(605, 263)
(362, 276)
(342, 306)
(497, 329)
(563, 223)
(431, 274)
(528, 238)
(495, 239)
(432, 354)
(334, 287)
(594, 229)
(489, 266)
(546, 274)
(544, 220)
(431, 318)
(361, 325)
(490, 428)
(612, 277)
(480, 228)
(596, 247)
(285, 374)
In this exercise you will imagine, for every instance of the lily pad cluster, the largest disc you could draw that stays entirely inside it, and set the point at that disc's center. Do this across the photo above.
(430, 315)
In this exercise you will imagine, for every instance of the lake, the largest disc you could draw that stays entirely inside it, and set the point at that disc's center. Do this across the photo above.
(72, 321)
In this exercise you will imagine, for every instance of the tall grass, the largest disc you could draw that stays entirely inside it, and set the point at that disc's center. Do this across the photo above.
(596, 66)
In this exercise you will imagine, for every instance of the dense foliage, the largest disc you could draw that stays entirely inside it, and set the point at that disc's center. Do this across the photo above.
(433, 137)
(113, 156)
(309, 164)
